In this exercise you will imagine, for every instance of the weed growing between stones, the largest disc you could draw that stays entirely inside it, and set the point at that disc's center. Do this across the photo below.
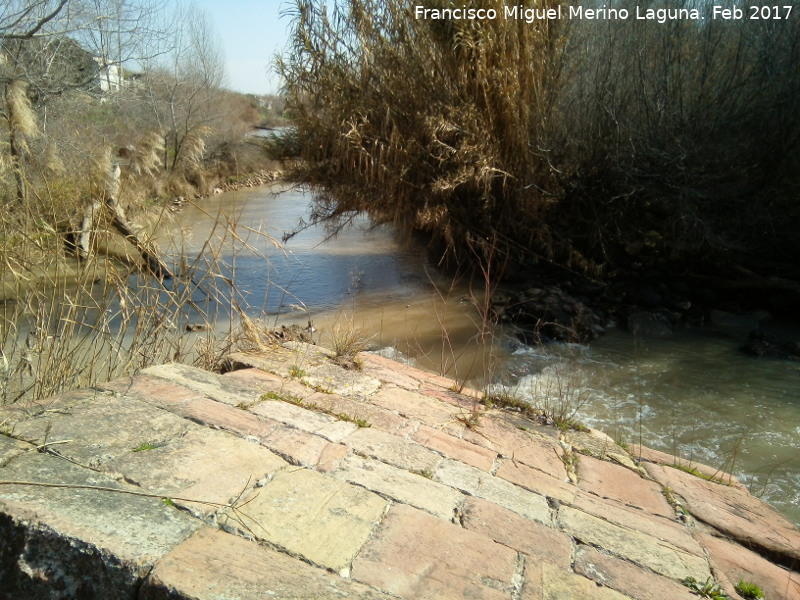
(297, 401)
(296, 372)
(426, 473)
(283, 397)
(693, 471)
(749, 590)
(708, 589)
(144, 446)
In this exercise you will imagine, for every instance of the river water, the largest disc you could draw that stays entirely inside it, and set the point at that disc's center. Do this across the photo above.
(694, 394)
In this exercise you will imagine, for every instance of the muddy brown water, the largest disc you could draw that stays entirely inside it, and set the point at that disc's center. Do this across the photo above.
(693, 394)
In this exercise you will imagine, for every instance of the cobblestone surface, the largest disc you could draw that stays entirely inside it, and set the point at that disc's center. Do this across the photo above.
(293, 478)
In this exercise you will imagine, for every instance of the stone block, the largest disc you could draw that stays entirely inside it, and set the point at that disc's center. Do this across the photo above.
(416, 556)
(607, 480)
(478, 483)
(669, 530)
(558, 584)
(214, 565)
(399, 485)
(298, 447)
(76, 540)
(731, 563)
(645, 550)
(321, 519)
(540, 542)
(625, 577)
(455, 448)
(391, 449)
(734, 512)
(201, 469)
(526, 447)
(536, 481)
(305, 419)
(11, 448)
(118, 425)
(392, 372)
(415, 406)
(216, 387)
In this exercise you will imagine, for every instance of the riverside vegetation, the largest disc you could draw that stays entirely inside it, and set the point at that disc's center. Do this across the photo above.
(603, 150)
(92, 158)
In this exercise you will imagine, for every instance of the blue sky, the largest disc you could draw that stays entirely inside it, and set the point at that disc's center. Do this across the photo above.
(251, 32)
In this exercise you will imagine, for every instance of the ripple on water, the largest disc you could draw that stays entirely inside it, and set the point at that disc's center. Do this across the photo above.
(694, 395)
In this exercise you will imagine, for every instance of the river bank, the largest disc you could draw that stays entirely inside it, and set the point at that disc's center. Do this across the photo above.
(394, 485)
(693, 393)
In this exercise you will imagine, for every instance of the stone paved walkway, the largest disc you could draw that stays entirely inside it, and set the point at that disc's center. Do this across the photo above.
(290, 477)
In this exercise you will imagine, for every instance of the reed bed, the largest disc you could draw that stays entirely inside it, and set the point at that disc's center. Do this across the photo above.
(588, 146)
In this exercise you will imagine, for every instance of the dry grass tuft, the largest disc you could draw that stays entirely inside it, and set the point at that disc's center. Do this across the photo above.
(347, 340)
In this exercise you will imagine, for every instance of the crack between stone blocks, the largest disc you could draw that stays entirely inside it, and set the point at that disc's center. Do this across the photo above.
(458, 511)
(415, 429)
(555, 507)
(518, 578)
(373, 533)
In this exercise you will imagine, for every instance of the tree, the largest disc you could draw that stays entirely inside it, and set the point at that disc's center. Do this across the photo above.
(183, 89)
(49, 48)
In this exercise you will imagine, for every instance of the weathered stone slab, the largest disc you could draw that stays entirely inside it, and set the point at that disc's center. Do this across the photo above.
(669, 530)
(536, 481)
(625, 577)
(305, 419)
(200, 409)
(558, 584)
(322, 519)
(213, 565)
(345, 382)
(162, 452)
(76, 543)
(731, 563)
(151, 389)
(417, 556)
(593, 443)
(376, 416)
(643, 549)
(645, 454)
(413, 405)
(733, 511)
(483, 485)
(11, 448)
(394, 450)
(455, 448)
(540, 542)
(400, 485)
(392, 372)
(282, 360)
(204, 465)
(118, 425)
(525, 447)
(466, 399)
(216, 387)
(607, 480)
(269, 382)
(300, 447)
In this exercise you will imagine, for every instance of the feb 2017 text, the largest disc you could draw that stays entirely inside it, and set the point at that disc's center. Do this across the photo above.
(604, 13)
